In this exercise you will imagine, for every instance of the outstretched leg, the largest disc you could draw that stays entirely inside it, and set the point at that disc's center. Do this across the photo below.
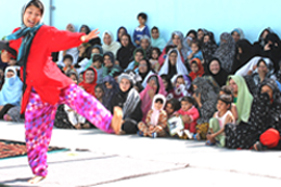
(87, 106)
(39, 119)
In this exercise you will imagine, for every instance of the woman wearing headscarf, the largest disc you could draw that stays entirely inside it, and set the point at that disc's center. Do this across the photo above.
(244, 53)
(139, 54)
(173, 65)
(266, 116)
(156, 40)
(89, 82)
(11, 92)
(237, 34)
(264, 71)
(109, 45)
(226, 51)
(125, 53)
(176, 40)
(259, 45)
(110, 87)
(217, 72)
(126, 107)
(209, 47)
(121, 31)
(264, 120)
(109, 67)
(145, 71)
(145, 44)
(86, 29)
(205, 95)
(154, 86)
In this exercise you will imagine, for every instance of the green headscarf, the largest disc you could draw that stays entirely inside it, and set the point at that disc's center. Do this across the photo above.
(244, 98)
(143, 53)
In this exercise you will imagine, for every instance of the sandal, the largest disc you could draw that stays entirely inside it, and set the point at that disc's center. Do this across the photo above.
(259, 147)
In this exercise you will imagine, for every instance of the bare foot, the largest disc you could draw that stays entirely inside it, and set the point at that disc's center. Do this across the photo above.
(36, 179)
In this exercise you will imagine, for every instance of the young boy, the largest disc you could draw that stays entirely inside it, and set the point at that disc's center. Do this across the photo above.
(142, 29)
(195, 51)
(68, 60)
(97, 64)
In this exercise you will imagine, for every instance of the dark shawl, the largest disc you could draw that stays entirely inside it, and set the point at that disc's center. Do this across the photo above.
(125, 54)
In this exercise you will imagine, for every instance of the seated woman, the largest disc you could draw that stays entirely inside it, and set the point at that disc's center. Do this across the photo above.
(139, 54)
(145, 71)
(205, 95)
(209, 47)
(125, 53)
(154, 86)
(217, 72)
(156, 40)
(109, 45)
(109, 67)
(11, 92)
(264, 71)
(145, 44)
(173, 65)
(126, 107)
(111, 88)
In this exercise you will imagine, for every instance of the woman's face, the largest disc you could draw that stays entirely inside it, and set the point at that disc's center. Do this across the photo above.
(262, 68)
(124, 40)
(206, 38)
(98, 92)
(95, 51)
(144, 44)
(268, 90)
(233, 86)
(108, 85)
(10, 74)
(107, 39)
(138, 56)
(153, 84)
(124, 85)
(176, 40)
(200, 35)
(192, 35)
(107, 61)
(165, 83)
(89, 76)
(83, 30)
(143, 66)
(215, 67)
(154, 54)
(235, 35)
(32, 16)
(121, 32)
(173, 58)
(155, 34)
(70, 28)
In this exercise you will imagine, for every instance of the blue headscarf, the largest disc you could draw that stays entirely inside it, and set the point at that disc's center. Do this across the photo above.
(126, 32)
(12, 89)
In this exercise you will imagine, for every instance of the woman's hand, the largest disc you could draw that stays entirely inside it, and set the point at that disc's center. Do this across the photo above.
(5, 56)
(91, 35)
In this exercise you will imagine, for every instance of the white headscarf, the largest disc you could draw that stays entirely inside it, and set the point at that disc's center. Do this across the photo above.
(113, 46)
(181, 69)
(156, 113)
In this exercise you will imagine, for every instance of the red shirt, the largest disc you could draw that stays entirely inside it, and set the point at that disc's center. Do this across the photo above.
(41, 72)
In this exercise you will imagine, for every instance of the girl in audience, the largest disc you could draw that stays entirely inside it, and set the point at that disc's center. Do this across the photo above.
(173, 65)
(172, 106)
(195, 51)
(99, 92)
(144, 71)
(120, 32)
(125, 53)
(205, 96)
(197, 69)
(153, 59)
(139, 54)
(111, 88)
(182, 86)
(226, 90)
(109, 67)
(156, 119)
(109, 45)
(220, 119)
(97, 62)
(126, 107)
(217, 72)
(154, 86)
(168, 85)
(237, 34)
(89, 81)
(226, 51)
(245, 52)
(156, 40)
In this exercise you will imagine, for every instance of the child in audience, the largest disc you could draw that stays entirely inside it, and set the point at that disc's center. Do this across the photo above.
(197, 69)
(182, 84)
(172, 106)
(99, 92)
(195, 51)
(220, 119)
(68, 60)
(227, 91)
(155, 53)
(156, 119)
(189, 115)
(142, 29)
(97, 64)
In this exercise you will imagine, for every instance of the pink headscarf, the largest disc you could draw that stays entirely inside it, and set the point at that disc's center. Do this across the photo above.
(146, 101)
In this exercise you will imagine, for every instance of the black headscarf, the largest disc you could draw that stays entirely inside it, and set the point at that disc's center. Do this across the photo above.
(143, 75)
(88, 30)
(125, 53)
(275, 50)
(221, 76)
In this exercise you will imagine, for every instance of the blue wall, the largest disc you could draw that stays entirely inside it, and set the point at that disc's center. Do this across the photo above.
(214, 15)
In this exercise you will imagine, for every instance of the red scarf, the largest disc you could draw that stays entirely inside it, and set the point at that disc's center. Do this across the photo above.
(89, 87)
(200, 71)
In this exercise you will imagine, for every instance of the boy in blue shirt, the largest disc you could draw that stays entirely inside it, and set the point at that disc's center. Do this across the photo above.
(142, 29)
